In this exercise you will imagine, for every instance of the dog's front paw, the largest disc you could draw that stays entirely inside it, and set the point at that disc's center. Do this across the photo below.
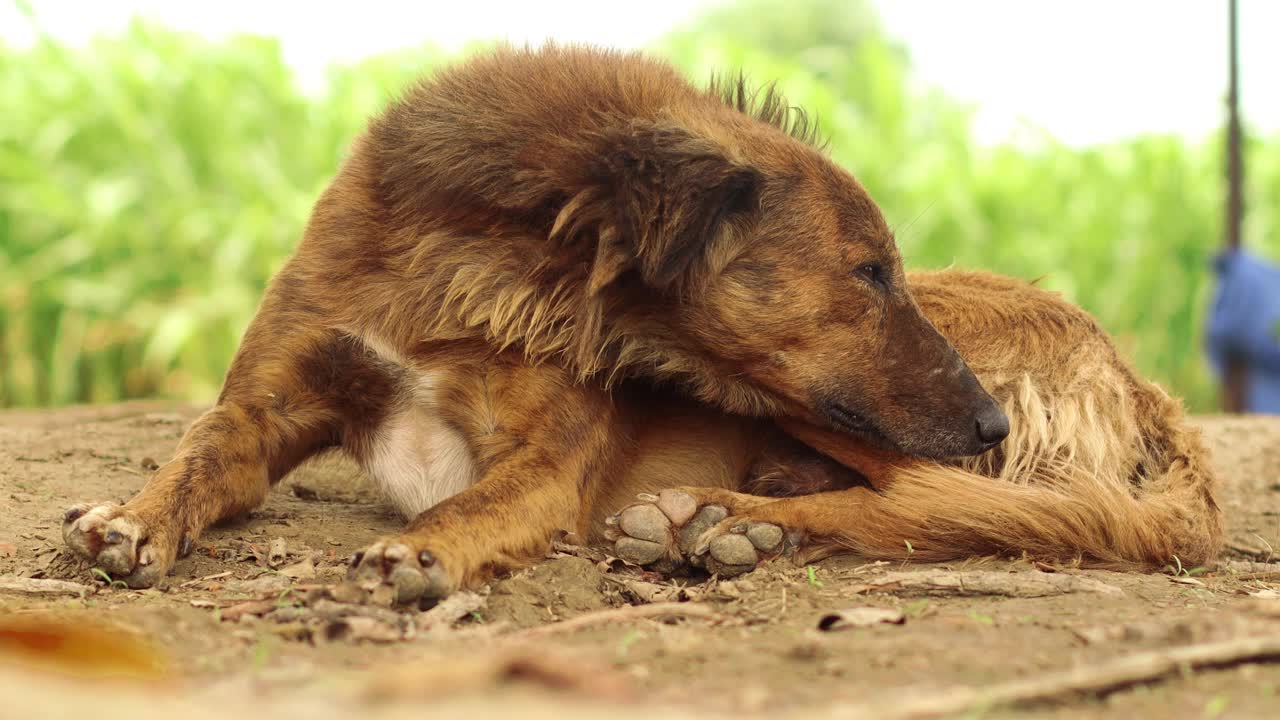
(737, 545)
(121, 542)
(411, 575)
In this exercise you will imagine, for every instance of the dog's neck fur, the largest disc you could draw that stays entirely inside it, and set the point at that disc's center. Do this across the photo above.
(526, 297)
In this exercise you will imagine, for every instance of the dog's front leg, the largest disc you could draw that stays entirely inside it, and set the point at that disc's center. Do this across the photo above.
(543, 446)
(293, 386)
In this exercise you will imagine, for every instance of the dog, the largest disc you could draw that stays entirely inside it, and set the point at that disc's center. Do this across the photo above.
(523, 266)
(1100, 467)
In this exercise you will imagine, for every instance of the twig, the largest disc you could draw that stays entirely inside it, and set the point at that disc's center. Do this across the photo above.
(1100, 678)
(1254, 553)
(626, 614)
(31, 586)
(1270, 576)
(206, 578)
(985, 582)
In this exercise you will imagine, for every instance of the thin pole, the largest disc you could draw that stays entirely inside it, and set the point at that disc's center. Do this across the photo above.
(1233, 400)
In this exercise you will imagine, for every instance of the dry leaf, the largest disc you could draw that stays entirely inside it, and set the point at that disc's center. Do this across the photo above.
(253, 607)
(1179, 579)
(860, 617)
(269, 584)
(650, 592)
(450, 610)
(331, 610)
(304, 570)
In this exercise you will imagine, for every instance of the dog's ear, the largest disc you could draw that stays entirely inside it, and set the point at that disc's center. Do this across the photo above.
(668, 192)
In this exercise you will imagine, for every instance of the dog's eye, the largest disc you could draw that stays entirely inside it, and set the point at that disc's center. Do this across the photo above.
(872, 273)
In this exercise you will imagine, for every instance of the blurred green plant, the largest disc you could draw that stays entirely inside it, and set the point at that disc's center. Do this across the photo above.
(151, 184)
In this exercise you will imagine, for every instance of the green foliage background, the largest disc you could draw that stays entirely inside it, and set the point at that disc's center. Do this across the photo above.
(151, 184)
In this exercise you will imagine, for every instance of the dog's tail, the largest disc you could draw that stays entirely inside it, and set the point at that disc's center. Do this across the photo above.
(1058, 494)
(936, 512)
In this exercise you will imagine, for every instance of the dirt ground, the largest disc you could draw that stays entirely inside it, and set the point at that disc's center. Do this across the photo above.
(244, 625)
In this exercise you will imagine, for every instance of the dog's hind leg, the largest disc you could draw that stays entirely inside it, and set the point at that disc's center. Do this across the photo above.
(292, 388)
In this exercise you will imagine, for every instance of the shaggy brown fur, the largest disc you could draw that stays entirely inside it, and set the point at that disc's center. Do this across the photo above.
(513, 291)
(1099, 466)
(506, 253)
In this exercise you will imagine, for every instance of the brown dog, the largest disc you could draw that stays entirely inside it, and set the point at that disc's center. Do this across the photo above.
(1099, 467)
(511, 259)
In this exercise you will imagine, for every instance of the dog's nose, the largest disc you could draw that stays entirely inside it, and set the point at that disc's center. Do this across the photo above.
(992, 425)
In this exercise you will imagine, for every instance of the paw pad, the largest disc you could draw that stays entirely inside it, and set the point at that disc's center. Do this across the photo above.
(667, 531)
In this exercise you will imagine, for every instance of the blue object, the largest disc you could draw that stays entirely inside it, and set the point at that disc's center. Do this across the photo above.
(1244, 323)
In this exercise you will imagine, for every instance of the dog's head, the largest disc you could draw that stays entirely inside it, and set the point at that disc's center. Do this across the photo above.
(777, 266)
